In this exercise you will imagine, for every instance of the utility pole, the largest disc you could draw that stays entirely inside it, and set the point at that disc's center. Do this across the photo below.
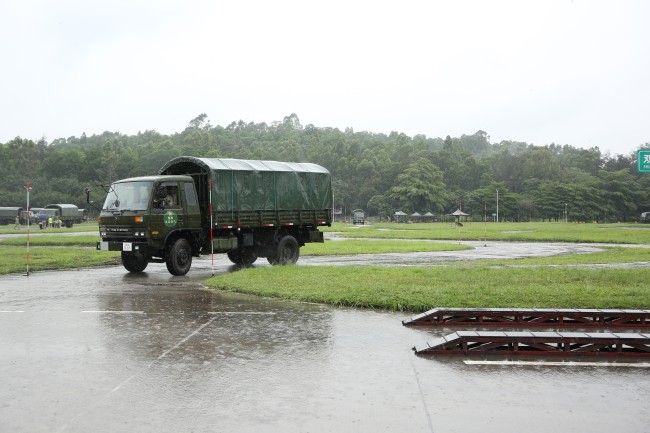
(497, 205)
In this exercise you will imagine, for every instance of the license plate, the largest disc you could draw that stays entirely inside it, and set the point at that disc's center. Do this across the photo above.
(127, 246)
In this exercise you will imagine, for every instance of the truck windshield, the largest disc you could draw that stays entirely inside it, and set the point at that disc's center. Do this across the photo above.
(129, 196)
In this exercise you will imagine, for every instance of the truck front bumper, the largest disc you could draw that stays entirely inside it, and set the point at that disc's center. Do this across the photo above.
(122, 246)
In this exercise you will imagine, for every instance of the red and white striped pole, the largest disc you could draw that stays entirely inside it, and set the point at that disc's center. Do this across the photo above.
(211, 225)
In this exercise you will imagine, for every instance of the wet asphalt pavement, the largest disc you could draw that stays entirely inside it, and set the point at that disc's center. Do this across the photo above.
(99, 350)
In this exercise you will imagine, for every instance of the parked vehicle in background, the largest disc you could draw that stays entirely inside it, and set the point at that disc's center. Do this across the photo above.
(44, 216)
(67, 213)
(82, 216)
(645, 217)
(358, 216)
(244, 208)
(33, 218)
(8, 214)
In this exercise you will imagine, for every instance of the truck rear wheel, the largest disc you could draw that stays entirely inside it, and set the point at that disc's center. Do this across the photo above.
(286, 252)
(134, 262)
(243, 257)
(179, 257)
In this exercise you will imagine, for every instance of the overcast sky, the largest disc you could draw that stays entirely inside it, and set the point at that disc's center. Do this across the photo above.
(565, 72)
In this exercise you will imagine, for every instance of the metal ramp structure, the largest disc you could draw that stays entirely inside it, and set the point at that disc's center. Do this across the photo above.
(531, 317)
(539, 344)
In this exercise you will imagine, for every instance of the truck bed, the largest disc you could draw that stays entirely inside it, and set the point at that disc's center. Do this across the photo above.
(267, 218)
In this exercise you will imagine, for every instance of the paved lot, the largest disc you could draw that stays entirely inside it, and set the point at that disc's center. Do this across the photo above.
(104, 351)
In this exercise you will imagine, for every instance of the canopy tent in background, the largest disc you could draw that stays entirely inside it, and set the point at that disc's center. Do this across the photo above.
(400, 216)
(457, 214)
(428, 217)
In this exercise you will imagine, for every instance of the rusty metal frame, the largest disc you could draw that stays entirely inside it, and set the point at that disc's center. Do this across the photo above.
(539, 344)
(531, 317)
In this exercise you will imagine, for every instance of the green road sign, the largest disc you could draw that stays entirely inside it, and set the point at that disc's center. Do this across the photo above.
(643, 156)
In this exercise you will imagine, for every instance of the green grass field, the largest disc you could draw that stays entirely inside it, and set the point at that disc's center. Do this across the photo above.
(15, 259)
(535, 232)
(552, 282)
(524, 283)
(568, 281)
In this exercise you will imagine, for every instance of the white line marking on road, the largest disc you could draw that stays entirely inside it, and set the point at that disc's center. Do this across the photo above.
(563, 364)
(12, 311)
(245, 313)
(177, 345)
(87, 409)
(112, 312)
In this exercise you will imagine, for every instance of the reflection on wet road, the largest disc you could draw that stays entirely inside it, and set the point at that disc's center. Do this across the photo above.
(98, 350)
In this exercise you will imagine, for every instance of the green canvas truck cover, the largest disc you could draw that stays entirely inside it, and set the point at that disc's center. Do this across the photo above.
(244, 185)
(10, 212)
(66, 210)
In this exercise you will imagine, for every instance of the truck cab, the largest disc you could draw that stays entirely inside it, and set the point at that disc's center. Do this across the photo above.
(152, 219)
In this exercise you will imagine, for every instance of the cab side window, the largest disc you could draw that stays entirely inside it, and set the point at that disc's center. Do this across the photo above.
(169, 198)
(190, 194)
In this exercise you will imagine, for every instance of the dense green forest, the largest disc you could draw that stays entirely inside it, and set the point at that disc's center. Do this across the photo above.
(376, 172)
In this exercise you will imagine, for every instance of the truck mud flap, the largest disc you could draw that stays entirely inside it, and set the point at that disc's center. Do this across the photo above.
(316, 236)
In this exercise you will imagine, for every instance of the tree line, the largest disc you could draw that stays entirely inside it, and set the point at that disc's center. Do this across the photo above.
(379, 173)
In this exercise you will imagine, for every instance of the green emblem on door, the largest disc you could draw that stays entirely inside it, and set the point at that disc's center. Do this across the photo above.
(170, 218)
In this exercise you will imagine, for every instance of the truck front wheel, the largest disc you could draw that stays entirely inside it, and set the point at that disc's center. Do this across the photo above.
(286, 252)
(179, 257)
(134, 262)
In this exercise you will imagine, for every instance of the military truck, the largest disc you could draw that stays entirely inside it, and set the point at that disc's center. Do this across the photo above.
(82, 216)
(8, 214)
(67, 213)
(358, 217)
(28, 217)
(195, 206)
(45, 214)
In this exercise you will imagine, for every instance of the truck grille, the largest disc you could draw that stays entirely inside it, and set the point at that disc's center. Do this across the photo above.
(117, 232)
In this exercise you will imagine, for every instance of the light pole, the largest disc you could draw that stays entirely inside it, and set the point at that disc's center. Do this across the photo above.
(497, 205)
(566, 215)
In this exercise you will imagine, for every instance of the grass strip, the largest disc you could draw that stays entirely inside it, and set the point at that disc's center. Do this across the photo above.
(419, 289)
(53, 240)
(340, 247)
(531, 232)
(355, 246)
(14, 259)
(77, 228)
(611, 255)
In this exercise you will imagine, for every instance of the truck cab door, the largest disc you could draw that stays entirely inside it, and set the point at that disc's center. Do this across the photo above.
(169, 205)
(191, 205)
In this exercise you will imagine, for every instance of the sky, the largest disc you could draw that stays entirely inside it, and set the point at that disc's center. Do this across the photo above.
(541, 72)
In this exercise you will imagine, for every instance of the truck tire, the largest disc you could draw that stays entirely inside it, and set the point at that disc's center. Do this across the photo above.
(243, 257)
(286, 252)
(179, 257)
(134, 262)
